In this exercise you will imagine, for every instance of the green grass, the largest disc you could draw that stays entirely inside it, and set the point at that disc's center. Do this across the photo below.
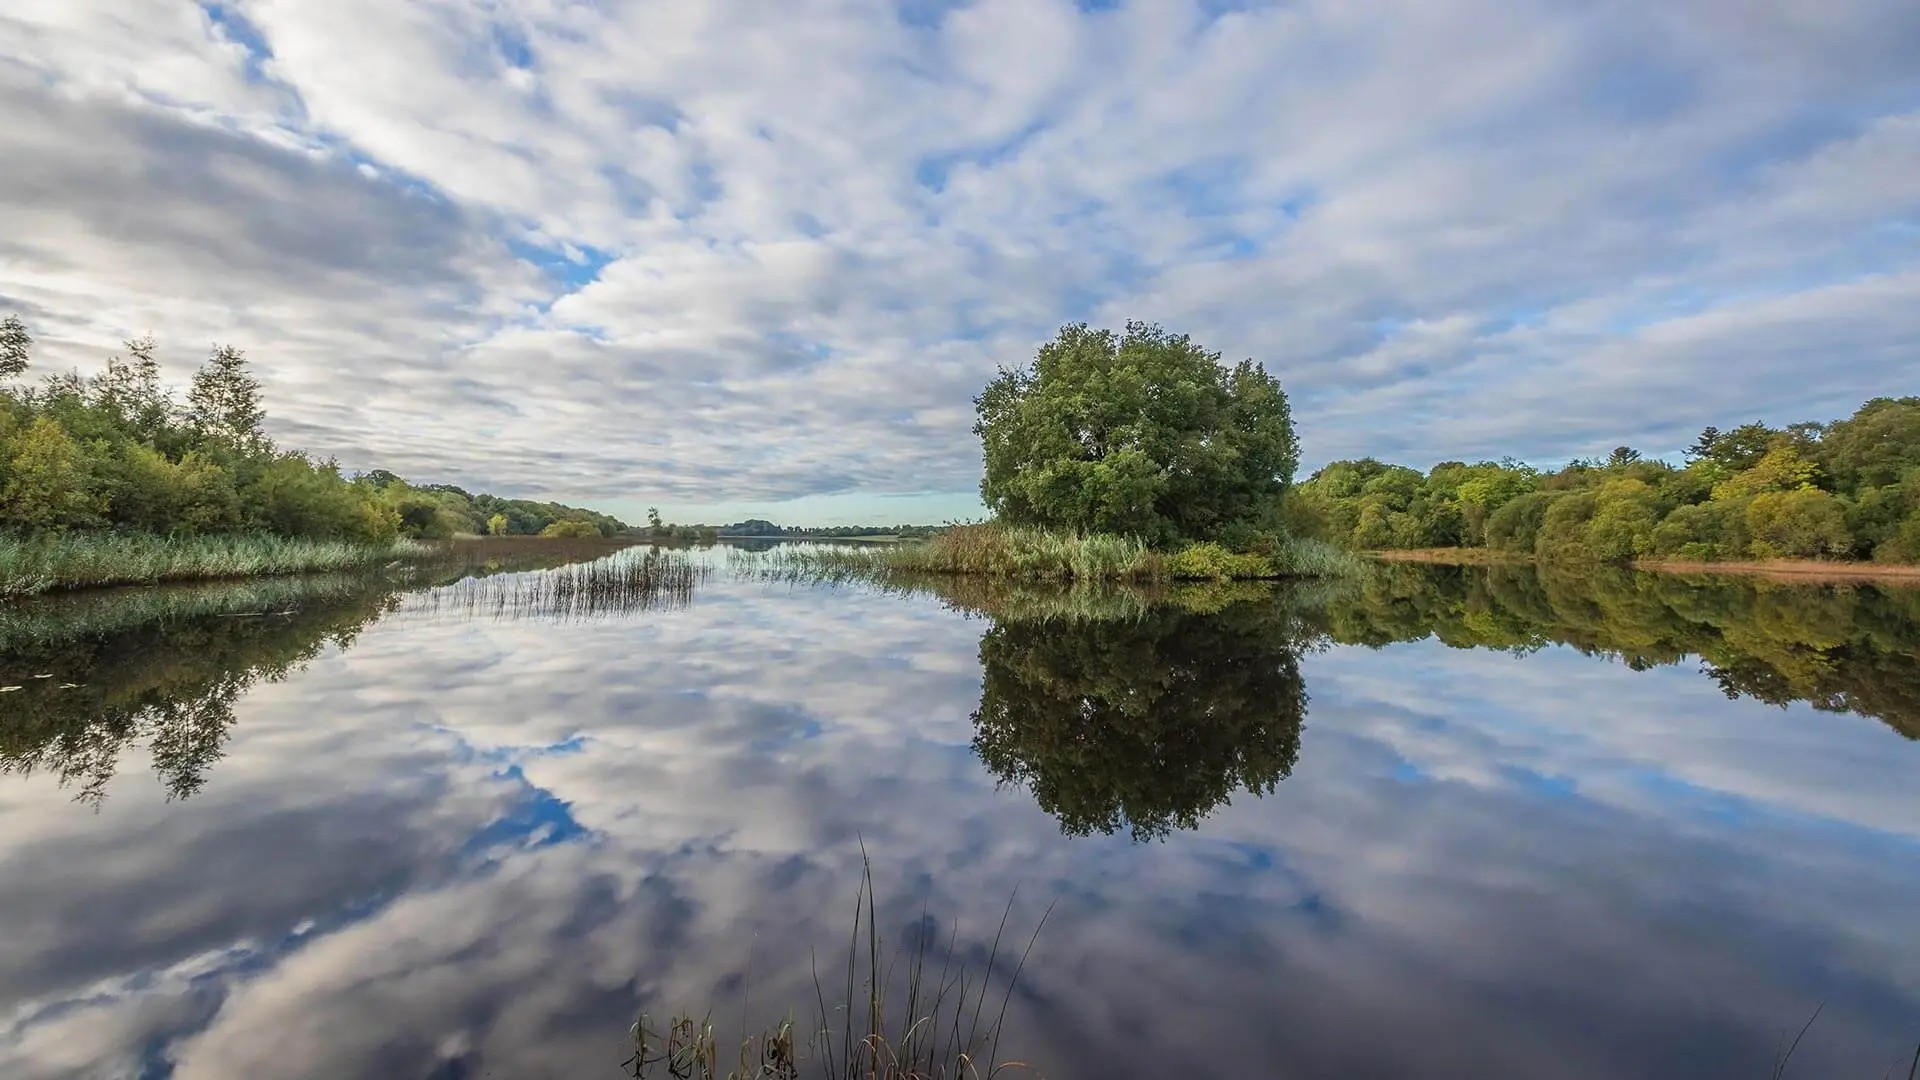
(82, 560)
(1038, 555)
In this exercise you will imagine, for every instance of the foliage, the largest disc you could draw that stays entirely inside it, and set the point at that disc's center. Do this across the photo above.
(1141, 434)
(115, 452)
(1210, 560)
(1845, 490)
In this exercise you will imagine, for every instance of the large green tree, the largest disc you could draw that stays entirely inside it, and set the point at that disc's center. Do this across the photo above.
(1143, 433)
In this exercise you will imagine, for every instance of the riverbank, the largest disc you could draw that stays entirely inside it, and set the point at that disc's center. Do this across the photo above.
(29, 567)
(1804, 571)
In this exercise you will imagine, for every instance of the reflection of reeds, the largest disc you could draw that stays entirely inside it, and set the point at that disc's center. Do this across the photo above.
(1008, 599)
(628, 581)
(946, 1029)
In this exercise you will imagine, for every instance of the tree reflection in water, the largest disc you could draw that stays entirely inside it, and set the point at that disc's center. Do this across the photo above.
(1146, 723)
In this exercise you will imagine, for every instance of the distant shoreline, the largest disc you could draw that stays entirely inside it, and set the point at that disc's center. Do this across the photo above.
(1803, 571)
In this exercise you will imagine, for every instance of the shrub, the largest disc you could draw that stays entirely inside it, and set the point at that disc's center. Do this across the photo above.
(1211, 561)
(1807, 523)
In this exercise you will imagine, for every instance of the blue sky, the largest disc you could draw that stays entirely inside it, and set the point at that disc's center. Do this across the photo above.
(738, 258)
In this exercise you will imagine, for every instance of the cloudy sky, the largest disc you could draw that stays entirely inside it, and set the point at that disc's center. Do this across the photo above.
(738, 256)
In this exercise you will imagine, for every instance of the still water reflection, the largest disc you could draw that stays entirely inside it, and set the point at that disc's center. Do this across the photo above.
(1452, 823)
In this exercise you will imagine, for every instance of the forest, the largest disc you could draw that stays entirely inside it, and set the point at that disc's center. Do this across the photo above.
(121, 451)
(1845, 490)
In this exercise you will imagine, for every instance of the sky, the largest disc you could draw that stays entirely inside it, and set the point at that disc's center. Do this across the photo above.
(739, 258)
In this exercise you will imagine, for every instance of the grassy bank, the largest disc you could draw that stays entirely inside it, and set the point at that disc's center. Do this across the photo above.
(82, 560)
(1019, 554)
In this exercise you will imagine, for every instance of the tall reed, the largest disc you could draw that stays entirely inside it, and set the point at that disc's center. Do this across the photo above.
(943, 1025)
(628, 581)
(30, 565)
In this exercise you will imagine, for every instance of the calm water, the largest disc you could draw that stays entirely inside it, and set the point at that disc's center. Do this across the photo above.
(1454, 824)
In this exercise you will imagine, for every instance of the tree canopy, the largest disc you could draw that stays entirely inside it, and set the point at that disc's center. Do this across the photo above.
(118, 450)
(1849, 489)
(1142, 433)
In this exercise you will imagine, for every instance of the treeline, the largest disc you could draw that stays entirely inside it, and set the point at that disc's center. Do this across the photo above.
(122, 451)
(762, 527)
(1849, 489)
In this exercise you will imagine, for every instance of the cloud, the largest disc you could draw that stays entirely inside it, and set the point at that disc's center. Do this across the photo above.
(743, 251)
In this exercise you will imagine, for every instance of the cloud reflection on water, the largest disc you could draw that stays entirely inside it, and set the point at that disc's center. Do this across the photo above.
(485, 842)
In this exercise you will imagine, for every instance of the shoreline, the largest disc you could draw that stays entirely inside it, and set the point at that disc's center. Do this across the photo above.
(1797, 571)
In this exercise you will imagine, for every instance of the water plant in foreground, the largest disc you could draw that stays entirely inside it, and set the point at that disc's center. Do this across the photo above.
(921, 1025)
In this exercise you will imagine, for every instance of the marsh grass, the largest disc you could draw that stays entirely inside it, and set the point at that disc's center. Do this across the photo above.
(885, 1023)
(625, 582)
(1038, 556)
(29, 566)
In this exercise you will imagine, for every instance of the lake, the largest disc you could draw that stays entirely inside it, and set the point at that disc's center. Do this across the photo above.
(1450, 822)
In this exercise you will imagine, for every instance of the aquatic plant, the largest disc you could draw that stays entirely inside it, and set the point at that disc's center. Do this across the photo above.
(41, 564)
(1039, 555)
(625, 582)
(941, 1026)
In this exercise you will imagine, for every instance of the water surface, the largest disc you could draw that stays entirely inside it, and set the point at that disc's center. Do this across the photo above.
(1452, 823)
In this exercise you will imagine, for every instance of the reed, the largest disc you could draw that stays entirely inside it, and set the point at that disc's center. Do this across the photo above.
(628, 581)
(926, 1025)
(1037, 555)
(31, 565)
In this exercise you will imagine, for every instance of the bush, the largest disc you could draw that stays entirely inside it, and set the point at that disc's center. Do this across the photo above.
(1516, 524)
(1714, 530)
(570, 530)
(1211, 561)
(1807, 523)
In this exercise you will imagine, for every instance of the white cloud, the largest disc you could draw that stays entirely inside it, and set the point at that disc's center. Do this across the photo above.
(745, 251)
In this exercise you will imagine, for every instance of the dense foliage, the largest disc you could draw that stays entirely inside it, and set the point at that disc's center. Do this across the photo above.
(122, 451)
(1845, 490)
(1142, 434)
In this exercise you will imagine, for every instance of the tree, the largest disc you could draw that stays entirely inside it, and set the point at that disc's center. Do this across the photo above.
(14, 345)
(497, 525)
(1803, 523)
(224, 403)
(1142, 433)
(47, 482)
(1623, 456)
(1703, 447)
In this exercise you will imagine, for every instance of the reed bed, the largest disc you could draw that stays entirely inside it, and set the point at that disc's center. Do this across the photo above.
(29, 566)
(1037, 555)
(916, 1024)
(622, 583)
(93, 613)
